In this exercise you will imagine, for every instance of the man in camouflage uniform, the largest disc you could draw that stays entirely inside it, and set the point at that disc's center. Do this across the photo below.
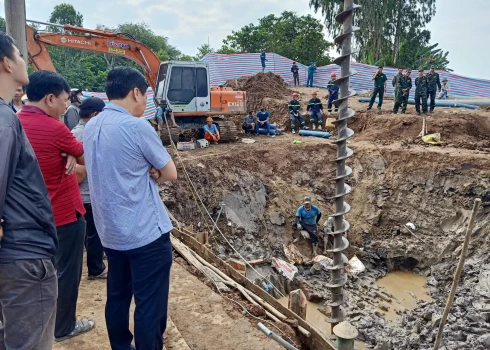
(394, 82)
(421, 85)
(434, 84)
(403, 86)
(379, 79)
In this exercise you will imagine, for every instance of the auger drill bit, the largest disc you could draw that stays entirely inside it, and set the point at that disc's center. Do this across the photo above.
(341, 226)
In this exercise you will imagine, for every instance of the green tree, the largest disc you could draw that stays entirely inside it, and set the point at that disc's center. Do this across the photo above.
(65, 14)
(203, 50)
(3, 25)
(390, 30)
(297, 37)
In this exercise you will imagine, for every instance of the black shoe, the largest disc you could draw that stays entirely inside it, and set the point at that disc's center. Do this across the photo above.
(431, 111)
(369, 108)
(395, 112)
(418, 113)
(403, 112)
(379, 108)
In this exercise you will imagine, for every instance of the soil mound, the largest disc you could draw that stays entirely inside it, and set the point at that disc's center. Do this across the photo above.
(470, 131)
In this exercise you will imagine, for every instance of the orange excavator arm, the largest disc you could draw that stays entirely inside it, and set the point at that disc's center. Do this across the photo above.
(91, 40)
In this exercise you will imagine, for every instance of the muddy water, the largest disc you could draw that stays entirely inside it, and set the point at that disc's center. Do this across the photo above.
(402, 284)
(313, 316)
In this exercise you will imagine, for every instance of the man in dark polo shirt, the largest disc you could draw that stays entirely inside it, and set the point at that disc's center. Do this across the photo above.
(28, 284)
(48, 95)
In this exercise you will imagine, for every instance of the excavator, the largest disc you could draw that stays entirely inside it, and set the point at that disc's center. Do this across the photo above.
(182, 87)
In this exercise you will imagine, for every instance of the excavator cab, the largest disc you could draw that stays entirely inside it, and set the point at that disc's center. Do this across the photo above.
(185, 88)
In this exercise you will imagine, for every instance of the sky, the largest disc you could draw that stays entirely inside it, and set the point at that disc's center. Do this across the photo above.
(189, 23)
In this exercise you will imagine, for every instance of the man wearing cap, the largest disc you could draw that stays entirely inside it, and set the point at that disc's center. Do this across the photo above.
(308, 216)
(315, 108)
(95, 253)
(433, 84)
(333, 92)
(444, 89)
(294, 108)
(311, 72)
(71, 116)
(404, 84)
(379, 79)
(394, 82)
(421, 92)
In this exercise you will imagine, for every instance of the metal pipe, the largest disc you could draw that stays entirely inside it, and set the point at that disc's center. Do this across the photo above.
(444, 103)
(322, 134)
(274, 336)
(341, 226)
(217, 218)
(46, 23)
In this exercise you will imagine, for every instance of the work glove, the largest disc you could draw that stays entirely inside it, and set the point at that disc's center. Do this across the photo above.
(295, 226)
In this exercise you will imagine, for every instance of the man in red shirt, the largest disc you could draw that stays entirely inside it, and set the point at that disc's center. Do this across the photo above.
(48, 95)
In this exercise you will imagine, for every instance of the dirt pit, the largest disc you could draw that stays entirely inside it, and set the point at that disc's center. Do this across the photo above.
(396, 179)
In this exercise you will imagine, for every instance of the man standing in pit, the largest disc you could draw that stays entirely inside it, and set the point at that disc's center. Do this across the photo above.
(311, 72)
(295, 71)
(308, 216)
(433, 85)
(333, 92)
(379, 79)
(404, 84)
(421, 92)
(394, 82)
(294, 109)
(262, 60)
(315, 108)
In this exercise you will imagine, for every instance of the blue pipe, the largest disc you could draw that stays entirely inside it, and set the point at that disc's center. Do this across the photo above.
(322, 134)
(411, 101)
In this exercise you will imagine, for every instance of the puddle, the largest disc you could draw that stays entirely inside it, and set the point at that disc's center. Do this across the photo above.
(401, 284)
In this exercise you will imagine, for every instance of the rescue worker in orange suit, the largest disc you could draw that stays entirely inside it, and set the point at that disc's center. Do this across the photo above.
(211, 132)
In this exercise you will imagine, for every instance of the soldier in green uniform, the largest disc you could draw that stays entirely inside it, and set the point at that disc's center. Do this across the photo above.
(434, 84)
(379, 79)
(404, 84)
(394, 82)
(421, 85)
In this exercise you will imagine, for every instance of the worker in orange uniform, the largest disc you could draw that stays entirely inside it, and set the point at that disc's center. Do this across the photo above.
(211, 132)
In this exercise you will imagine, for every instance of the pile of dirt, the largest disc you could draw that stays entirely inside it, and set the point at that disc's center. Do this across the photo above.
(469, 131)
(264, 90)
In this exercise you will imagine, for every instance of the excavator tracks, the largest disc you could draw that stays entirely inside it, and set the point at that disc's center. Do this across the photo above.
(227, 130)
(174, 133)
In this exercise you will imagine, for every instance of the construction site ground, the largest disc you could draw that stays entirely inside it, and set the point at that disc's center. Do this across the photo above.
(397, 179)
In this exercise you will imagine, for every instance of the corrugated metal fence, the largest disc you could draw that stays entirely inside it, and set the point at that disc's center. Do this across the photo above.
(224, 67)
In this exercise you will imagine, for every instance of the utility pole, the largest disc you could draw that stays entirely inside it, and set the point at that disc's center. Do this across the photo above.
(15, 18)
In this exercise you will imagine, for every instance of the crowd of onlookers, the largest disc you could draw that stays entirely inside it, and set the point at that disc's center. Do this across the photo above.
(86, 176)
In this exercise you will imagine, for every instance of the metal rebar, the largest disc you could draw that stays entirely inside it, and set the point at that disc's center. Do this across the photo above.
(343, 152)
(274, 336)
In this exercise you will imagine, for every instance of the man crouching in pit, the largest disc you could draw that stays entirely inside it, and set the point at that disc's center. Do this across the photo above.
(308, 216)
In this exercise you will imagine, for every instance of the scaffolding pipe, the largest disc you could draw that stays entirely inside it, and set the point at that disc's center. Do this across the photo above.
(274, 336)
(341, 226)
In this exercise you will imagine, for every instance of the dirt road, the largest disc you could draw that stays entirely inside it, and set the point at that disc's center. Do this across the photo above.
(198, 318)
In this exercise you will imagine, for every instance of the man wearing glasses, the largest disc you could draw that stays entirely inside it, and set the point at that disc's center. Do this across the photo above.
(58, 153)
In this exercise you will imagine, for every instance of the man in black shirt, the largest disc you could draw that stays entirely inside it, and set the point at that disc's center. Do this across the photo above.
(28, 283)
(295, 71)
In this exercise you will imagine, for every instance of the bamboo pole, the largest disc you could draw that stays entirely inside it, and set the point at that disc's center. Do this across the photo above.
(457, 274)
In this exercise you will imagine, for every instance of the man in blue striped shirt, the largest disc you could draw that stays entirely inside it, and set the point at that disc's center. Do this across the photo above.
(125, 162)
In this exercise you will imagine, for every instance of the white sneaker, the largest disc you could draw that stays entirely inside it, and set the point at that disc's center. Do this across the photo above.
(293, 132)
(313, 127)
(273, 135)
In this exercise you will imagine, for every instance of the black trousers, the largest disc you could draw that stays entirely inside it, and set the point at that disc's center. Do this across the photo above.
(312, 231)
(432, 96)
(377, 91)
(296, 78)
(69, 261)
(144, 272)
(95, 251)
(28, 292)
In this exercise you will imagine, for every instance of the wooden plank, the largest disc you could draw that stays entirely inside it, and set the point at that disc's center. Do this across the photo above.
(317, 341)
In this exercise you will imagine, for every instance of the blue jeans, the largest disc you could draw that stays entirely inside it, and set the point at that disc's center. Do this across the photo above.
(266, 125)
(292, 117)
(331, 98)
(443, 95)
(144, 271)
(318, 115)
(309, 81)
